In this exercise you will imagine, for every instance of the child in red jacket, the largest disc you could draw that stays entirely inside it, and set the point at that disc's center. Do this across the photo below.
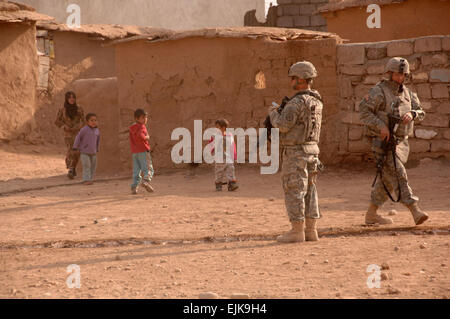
(140, 148)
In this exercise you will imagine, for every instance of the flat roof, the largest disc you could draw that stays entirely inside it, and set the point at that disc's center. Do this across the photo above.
(100, 31)
(275, 34)
(13, 12)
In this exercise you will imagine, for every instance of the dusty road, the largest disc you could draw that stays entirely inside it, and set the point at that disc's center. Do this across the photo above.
(186, 238)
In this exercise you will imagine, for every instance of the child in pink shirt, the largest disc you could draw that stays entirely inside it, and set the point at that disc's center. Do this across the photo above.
(224, 172)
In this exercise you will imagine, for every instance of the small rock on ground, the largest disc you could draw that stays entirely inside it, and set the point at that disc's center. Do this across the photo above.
(393, 291)
(208, 295)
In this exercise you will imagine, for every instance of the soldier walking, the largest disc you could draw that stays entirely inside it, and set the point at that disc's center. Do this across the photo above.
(71, 119)
(391, 99)
(299, 123)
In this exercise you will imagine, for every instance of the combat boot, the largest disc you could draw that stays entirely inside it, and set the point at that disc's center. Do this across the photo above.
(311, 231)
(219, 187)
(134, 190)
(373, 218)
(295, 235)
(419, 216)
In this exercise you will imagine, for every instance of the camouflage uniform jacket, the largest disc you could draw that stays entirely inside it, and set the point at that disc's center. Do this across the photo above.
(383, 99)
(300, 121)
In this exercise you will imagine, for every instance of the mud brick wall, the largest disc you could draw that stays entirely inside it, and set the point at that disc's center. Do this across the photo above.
(300, 14)
(216, 78)
(360, 66)
(18, 81)
(77, 57)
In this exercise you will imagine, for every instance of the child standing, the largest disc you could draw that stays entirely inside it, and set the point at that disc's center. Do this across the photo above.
(140, 148)
(224, 172)
(87, 142)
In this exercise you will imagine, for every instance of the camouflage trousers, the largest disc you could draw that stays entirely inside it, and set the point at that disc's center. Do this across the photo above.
(299, 172)
(72, 157)
(224, 173)
(379, 196)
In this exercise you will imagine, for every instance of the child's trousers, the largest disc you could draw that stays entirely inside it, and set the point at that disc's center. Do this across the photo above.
(142, 165)
(89, 163)
(224, 173)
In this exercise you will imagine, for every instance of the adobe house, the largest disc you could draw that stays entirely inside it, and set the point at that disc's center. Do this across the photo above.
(399, 19)
(80, 60)
(235, 73)
(18, 69)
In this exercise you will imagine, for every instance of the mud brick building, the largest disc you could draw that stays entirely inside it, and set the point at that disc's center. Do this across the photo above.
(80, 60)
(18, 70)
(235, 73)
(400, 19)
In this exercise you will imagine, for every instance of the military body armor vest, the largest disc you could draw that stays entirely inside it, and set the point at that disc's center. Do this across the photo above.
(306, 131)
(397, 104)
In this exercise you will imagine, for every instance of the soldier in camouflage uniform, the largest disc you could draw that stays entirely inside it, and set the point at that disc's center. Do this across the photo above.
(390, 96)
(71, 119)
(299, 124)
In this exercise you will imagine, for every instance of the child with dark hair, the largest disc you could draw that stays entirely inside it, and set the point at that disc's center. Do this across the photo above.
(140, 149)
(224, 172)
(87, 142)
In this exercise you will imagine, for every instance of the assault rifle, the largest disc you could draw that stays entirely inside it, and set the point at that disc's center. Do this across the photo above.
(267, 123)
(389, 146)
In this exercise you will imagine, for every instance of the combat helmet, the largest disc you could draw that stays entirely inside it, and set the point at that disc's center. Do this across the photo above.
(303, 70)
(399, 65)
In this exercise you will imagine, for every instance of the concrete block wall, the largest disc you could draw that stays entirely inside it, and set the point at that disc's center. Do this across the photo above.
(300, 14)
(361, 65)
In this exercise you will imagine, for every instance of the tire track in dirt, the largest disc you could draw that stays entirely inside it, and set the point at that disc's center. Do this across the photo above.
(328, 233)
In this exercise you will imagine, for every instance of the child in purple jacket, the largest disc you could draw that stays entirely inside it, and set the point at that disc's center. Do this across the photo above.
(87, 142)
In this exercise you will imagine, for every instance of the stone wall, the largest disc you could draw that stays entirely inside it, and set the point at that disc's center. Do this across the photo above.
(360, 66)
(299, 14)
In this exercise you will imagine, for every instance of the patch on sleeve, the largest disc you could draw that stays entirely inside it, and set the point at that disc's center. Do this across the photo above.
(289, 117)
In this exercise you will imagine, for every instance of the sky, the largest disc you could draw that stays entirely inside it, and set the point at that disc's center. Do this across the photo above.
(274, 3)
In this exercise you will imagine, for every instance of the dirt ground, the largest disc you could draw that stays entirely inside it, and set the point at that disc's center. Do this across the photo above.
(186, 239)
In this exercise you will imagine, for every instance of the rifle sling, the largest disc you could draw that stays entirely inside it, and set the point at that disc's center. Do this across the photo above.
(380, 172)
